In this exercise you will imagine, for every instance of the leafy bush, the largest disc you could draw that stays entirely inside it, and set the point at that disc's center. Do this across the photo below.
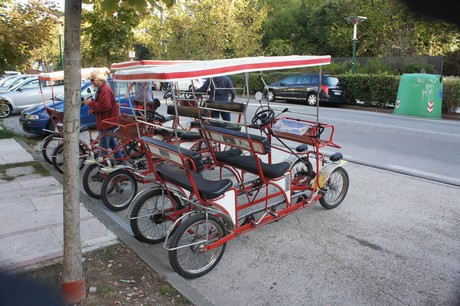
(451, 95)
(373, 90)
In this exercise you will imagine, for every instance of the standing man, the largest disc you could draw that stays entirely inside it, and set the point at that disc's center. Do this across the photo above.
(104, 106)
(221, 87)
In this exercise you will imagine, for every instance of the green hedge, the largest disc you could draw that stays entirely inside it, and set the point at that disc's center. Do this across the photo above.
(372, 89)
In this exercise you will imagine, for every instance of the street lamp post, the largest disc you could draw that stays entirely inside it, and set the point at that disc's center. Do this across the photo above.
(355, 20)
(61, 54)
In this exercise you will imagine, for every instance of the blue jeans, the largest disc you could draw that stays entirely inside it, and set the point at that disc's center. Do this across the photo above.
(226, 116)
(107, 142)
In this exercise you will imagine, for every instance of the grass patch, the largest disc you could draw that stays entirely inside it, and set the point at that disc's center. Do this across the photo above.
(108, 255)
(167, 290)
(7, 134)
(38, 169)
(106, 289)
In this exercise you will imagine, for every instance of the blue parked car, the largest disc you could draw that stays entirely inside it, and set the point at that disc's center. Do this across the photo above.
(36, 120)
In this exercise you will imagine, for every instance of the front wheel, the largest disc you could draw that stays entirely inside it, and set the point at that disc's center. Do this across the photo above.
(336, 188)
(58, 157)
(312, 99)
(48, 146)
(118, 190)
(189, 258)
(152, 214)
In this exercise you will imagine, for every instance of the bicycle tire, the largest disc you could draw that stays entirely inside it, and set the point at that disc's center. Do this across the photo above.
(119, 190)
(58, 158)
(191, 260)
(150, 216)
(93, 180)
(48, 146)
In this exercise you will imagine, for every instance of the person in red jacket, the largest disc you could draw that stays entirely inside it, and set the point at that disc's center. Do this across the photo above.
(104, 106)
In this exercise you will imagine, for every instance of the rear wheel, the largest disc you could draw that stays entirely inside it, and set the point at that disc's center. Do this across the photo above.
(58, 158)
(152, 214)
(93, 180)
(312, 99)
(301, 169)
(118, 190)
(190, 259)
(336, 188)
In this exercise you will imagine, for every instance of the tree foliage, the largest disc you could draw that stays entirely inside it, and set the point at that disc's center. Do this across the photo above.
(210, 29)
(108, 35)
(319, 27)
(26, 29)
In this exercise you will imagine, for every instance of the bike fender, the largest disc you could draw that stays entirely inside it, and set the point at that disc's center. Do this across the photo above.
(173, 227)
(130, 207)
(326, 171)
(91, 161)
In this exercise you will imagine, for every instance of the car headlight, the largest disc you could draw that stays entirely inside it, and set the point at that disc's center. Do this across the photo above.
(31, 117)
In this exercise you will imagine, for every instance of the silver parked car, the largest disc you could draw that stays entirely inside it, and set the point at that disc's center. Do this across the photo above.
(11, 81)
(26, 94)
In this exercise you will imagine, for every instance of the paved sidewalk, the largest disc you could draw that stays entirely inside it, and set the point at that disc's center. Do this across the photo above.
(31, 216)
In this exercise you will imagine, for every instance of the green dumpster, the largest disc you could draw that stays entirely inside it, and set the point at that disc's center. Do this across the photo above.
(419, 94)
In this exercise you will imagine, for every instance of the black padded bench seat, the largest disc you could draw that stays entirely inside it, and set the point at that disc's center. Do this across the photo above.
(248, 163)
(170, 152)
(207, 189)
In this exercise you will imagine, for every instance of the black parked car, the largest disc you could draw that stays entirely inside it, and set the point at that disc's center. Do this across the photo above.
(304, 87)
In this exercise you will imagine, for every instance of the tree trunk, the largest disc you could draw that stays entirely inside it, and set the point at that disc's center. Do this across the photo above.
(73, 282)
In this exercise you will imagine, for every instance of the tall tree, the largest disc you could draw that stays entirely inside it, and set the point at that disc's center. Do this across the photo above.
(73, 280)
(73, 283)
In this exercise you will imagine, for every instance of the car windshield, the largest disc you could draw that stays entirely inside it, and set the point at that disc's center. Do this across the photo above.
(7, 80)
(331, 81)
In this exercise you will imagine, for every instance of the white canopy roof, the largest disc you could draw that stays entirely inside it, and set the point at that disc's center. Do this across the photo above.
(144, 64)
(206, 69)
(59, 75)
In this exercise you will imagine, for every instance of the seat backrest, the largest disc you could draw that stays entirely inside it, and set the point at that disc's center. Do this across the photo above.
(187, 159)
(253, 143)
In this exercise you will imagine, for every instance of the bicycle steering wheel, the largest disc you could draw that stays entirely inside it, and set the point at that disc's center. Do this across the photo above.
(168, 94)
(263, 116)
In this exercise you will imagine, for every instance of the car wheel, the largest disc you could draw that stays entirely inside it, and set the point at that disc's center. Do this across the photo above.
(312, 99)
(5, 109)
(271, 96)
